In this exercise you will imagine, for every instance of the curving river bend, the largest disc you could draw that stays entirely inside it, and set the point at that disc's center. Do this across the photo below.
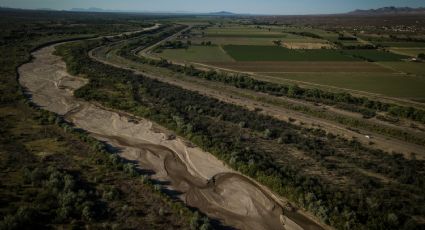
(232, 198)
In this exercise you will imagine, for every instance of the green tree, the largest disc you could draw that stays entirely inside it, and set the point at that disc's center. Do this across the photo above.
(87, 213)
(195, 221)
(294, 91)
(161, 211)
(278, 42)
(268, 133)
(392, 219)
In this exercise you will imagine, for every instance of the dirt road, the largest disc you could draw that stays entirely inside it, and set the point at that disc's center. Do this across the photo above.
(230, 197)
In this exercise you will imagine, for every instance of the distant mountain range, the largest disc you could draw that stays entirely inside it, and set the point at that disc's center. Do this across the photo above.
(222, 13)
(91, 9)
(100, 10)
(94, 9)
(380, 11)
(390, 10)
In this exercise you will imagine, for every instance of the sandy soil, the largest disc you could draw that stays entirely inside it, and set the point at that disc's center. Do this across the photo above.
(230, 197)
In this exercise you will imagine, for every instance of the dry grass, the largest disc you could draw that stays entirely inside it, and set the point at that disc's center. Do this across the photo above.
(306, 45)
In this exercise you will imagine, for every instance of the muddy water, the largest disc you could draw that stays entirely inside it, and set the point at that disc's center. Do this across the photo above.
(202, 180)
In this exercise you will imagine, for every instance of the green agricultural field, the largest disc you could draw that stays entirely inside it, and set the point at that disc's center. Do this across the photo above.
(196, 53)
(401, 44)
(408, 51)
(253, 35)
(242, 29)
(394, 85)
(321, 33)
(416, 68)
(298, 38)
(274, 53)
(375, 55)
(242, 32)
(255, 40)
(235, 40)
(249, 35)
(349, 43)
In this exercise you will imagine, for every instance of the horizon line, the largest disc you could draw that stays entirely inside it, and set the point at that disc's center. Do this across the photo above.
(101, 10)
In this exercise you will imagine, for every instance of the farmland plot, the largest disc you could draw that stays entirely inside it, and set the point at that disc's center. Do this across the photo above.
(274, 53)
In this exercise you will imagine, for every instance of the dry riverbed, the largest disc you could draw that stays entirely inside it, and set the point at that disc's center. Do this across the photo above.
(201, 179)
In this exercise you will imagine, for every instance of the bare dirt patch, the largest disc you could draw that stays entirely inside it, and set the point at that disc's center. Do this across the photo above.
(306, 45)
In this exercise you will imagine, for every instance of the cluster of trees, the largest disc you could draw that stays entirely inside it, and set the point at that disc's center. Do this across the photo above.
(380, 41)
(206, 43)
(405, 38)
(174, 45)
(307, 34)
(346, 38)
(234, 135)
(366, 112)
(277, 42)
(62, 190)
(358, 46)
(201, 223)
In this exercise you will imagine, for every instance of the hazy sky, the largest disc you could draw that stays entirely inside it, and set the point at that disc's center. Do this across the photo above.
(238, 6)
